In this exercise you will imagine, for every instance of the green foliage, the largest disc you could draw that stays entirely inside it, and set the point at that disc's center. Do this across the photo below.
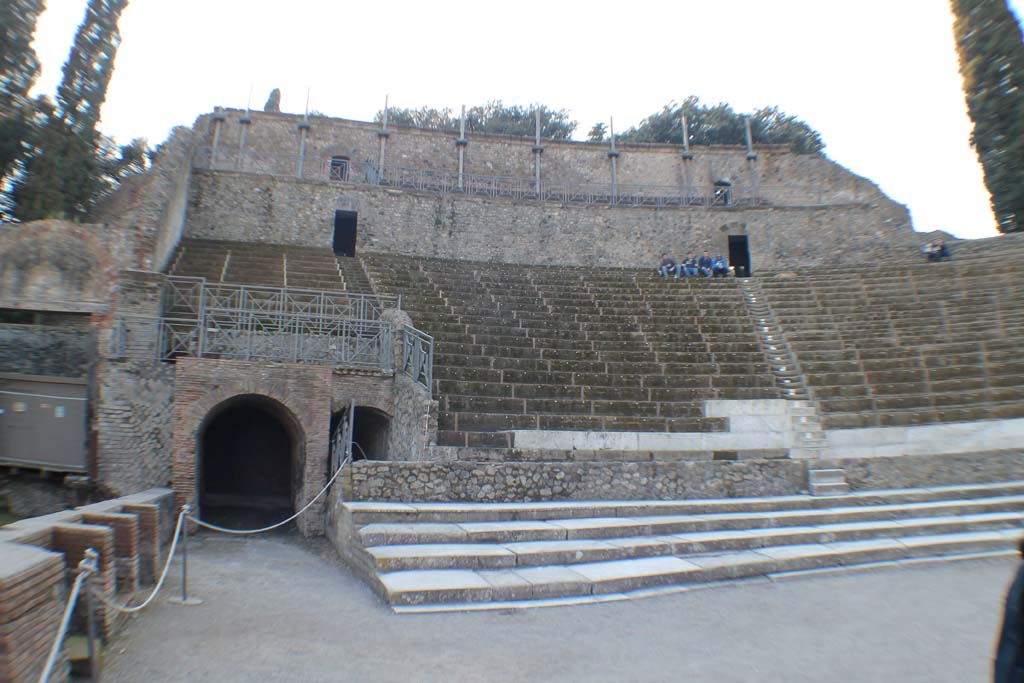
(18, 63)
(494, 117)
(721, 125)
(598, 133)
(991, 50)
(67, 166)
(273, 104)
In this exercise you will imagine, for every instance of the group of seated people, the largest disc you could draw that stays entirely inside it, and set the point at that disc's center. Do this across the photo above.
(936, 251)
(705, 266)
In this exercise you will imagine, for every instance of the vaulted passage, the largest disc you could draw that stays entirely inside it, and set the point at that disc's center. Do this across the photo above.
(248, 454)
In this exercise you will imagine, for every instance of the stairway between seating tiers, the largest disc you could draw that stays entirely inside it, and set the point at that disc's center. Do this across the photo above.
(578, 349)
(429, 556)
(268, 265)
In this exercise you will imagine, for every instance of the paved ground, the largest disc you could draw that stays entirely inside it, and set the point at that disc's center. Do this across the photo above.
(282, 609)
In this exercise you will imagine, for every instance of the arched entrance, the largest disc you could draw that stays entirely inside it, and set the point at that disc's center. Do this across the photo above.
(370, 430)
(249, 457)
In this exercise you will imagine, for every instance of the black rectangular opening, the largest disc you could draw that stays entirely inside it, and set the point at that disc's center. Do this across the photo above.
(345, 233)
(739, 255)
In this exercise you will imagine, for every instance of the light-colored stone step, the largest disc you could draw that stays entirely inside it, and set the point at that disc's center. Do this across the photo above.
(830, 489)
(419, 587)
(363, 513)
(826, 476)
(519, 554)
(399, 533)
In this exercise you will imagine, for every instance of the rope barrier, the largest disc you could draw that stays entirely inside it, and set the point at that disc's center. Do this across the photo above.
(247, 532)
(86, 568)
(159, 584)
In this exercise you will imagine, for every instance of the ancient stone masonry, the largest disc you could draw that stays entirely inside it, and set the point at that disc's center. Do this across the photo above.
(242, 206)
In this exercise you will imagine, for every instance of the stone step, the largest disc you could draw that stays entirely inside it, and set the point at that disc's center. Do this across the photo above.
(389, 558)
(653, 522)
(425, 587)
(829, 489)
(826, 476)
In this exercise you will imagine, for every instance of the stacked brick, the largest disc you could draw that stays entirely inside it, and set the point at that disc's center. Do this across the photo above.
(31, 603)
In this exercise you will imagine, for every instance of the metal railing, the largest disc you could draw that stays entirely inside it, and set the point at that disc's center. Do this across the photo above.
(188, 297)
(418, 356)
(289, 338)
(366, 172)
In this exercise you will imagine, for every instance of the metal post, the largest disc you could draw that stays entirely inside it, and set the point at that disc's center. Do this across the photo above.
(687, 158)
(613, 156)
(90, 611)
(186, 510)
(461, 143)
(382, 135)
(538, 149)
(244, 122)
(218, 119)
(751, 158)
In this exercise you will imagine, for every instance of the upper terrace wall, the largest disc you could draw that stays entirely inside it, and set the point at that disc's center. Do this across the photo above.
(271, 144)
(249, 207)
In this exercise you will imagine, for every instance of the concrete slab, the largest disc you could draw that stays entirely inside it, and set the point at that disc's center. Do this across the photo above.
(554, 582)
(441, 556)
(504, 532)
(626, 575)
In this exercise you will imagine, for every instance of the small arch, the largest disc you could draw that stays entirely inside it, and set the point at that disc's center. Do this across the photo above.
(371, 429)
(250, 461)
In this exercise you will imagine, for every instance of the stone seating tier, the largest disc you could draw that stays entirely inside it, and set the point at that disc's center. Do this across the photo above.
(598, 349)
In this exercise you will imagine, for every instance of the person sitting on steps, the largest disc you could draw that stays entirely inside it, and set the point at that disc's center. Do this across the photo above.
(690, 266)
(936, 251)
(719, 268)
(705, 265)
(668, 265)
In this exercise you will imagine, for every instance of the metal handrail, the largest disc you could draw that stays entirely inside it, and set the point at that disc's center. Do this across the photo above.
(418, 356)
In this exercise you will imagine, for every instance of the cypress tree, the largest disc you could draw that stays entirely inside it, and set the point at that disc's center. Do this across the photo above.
(19, 68)
(991, 50)
(63, 175)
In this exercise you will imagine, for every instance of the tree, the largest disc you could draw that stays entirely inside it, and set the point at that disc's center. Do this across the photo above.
(19, 68)
(64, 171)
(721, 125)
(598, 133)
(273, 105)
(495, 117)
(991, 49)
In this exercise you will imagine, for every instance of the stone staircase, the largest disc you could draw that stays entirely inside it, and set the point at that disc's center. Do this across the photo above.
(576, 349)
(452, 556)
(268, 265)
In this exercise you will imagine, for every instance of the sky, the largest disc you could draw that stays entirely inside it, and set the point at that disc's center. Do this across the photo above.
(878, 79)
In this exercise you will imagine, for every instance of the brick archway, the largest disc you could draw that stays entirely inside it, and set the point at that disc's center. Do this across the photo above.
(302, 394)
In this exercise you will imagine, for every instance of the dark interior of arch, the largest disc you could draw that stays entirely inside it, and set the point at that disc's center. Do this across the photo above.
(370, 431)
(246, 461)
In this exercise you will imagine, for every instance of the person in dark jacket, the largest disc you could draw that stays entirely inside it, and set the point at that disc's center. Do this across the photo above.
(690, 266)
(1009, 666)
(668, 265)
(719, 267)
(705, 264)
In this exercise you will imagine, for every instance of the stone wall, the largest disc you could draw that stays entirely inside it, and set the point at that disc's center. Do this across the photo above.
(531, 481)
(29, 495)
(272, 146)
(132, 421)
(930, 470)
(62, 351)
(151, 207)
(247, 207)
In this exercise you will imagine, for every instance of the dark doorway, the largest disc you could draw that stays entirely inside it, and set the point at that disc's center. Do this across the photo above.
(345, 233)
(247, 451)
(739, 255)
(370, 430)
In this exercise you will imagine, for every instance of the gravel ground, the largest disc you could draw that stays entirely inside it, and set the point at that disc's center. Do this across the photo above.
(280, 608)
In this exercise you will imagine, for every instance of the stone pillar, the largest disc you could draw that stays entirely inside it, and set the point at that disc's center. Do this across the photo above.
(382, 137)
(245, 122)
(537, 150)
(687, 157)
(751, 159)
(303, 131)
(461, 143)
(613, 156)
(218, 121)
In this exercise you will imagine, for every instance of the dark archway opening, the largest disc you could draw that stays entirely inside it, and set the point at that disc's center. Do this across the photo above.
(370, 430)
(739, 255)
(248, 449)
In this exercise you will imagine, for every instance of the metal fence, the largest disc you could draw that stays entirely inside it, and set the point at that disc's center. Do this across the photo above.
(366, 172)
(289, 339)
(188, 297)
(418, 356)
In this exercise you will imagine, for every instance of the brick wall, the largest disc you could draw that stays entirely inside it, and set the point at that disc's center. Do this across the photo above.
(132, 419)
(238, 206)
(46, 350)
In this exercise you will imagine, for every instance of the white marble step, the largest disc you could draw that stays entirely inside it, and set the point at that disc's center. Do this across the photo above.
(380, 512)
(388, 558)
(618, 527)
(421, 587)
